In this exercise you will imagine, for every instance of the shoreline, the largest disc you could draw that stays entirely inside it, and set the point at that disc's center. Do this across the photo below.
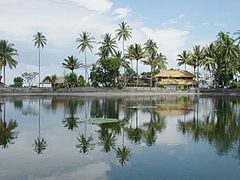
(119, 94)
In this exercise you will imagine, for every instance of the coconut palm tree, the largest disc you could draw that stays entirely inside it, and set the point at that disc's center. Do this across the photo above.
(107, 47)
(124, 32)
(39, 41)
(153, 59)
(85, 41)
(184, 58)
(210, 60)
(7, 51)
(159, 63)
(135, 52)
(71, 63)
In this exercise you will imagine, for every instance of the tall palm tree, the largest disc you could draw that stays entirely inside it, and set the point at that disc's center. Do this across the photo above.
(7, 51)
(229, 53)
(39, 41)
(71, 63)
(210, 60)
(124, 32)
(184, 58)
(135, 52)
(197, 58)
(107, 47)
(150, 52)
(85, 41)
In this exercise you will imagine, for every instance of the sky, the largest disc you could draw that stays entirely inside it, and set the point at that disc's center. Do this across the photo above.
(175, 25)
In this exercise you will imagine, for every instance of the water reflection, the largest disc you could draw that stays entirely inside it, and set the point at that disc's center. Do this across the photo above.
(7, 133)
(220, 125)
(117, 129)
(40, 144)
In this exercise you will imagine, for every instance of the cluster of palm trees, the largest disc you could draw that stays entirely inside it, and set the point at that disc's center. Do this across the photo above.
(108, 48)
(221, 58)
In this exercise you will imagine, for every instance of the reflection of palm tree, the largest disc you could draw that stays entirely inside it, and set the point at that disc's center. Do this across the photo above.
(6, 131)
(71, 122)
(135, 134)
(220, 128)
(107, 140)
(124, 153)
(156, 124)
(40, 144)
(85, 144)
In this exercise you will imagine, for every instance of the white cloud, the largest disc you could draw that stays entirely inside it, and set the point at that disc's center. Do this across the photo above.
(61, 21)
(96, 5)
(121, 12)
(170, 41)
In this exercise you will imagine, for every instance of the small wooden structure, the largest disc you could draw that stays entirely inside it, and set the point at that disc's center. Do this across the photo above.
(48, 81)
(176, 79)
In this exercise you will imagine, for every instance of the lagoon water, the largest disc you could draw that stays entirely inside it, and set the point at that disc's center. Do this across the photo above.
(165, 137)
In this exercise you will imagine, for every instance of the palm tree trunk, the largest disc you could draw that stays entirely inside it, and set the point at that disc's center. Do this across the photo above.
(185, 67)
(85, 65)
(39, 119)
(39, 69)
(151, 79)
(4, 112)
(137, 73)
(125, 75)
(4, 74)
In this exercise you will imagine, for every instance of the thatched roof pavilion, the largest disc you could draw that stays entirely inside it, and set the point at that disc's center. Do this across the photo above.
(48, 80)
(176, 77)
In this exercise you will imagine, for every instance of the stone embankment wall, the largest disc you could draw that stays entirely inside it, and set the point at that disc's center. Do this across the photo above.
(90, 89)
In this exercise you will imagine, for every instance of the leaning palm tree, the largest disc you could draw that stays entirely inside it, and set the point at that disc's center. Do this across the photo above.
(183, 58)
(135, 52)
(7, 51)
(85, 41)
(39, 41)
(107, 47)
(71, 63)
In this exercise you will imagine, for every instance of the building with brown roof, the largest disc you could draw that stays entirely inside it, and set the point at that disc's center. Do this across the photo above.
(49, 82)
(179, 80)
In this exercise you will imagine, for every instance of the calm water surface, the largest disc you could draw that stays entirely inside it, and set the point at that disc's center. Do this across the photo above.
(166, 137)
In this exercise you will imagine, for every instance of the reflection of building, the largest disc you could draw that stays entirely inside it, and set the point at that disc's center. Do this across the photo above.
(176, 79)
(48, 81)
(175, 108)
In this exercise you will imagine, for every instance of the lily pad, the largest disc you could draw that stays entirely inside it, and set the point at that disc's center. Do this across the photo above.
(99, 120)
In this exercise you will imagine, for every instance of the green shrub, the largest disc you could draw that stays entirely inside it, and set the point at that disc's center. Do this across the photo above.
(17, 82)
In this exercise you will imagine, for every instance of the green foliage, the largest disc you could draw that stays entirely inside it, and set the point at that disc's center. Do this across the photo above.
(71, 80)
(81, 81)
(105, 74)
(18, 82)
(234, 85)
